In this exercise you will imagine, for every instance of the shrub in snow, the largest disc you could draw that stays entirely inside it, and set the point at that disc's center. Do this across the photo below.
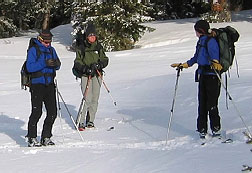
(118, 25)
(218, 14)
(7, 28)
(217, 17)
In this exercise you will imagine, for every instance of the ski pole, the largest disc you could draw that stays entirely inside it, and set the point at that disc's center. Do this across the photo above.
(59, 109)
(173, 104)
(106, 87)
(232, 101)
(83, 101)
(70, 116)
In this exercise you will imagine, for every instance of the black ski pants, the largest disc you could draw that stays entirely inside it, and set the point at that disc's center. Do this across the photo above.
(42, 94)
(209, 92)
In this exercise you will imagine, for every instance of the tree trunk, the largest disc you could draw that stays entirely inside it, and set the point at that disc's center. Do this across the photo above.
(45, 24)
(46, 20)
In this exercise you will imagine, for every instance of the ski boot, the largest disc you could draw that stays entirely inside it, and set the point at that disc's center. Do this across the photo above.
(33, 142)
(46, 142)
(81, 127)
(90, 125)
(202, 135)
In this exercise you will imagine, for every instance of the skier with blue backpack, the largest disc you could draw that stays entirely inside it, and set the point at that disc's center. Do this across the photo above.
(42, 63)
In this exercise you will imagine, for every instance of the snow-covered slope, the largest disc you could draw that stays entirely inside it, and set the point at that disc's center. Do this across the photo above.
(142, 83)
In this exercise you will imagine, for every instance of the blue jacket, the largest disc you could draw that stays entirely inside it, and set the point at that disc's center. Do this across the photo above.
(38, 64)
(203, 57)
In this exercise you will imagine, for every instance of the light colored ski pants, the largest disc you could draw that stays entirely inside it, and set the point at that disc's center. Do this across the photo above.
(91, 100)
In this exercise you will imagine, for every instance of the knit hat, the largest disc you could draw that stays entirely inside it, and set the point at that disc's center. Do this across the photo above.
(90, 29)
(202, 27)
(46, 35)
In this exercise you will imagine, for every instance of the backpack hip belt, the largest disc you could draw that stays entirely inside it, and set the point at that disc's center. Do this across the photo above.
(40, 74)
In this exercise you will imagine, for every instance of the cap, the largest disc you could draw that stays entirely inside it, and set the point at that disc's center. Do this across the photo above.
(90, 29)
(202, 27)
(46, 35)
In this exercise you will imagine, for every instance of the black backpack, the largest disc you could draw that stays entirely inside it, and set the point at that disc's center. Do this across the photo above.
(25, 75)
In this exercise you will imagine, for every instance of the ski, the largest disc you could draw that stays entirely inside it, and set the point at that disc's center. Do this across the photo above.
(228, 140)
(246, 168)
(212, 138)
(249, 141)
(81, 129)
(209, 139)
(110, 128)
(94, 128)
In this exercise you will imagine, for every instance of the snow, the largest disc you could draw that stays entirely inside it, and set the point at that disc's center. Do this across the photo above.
(142, 83)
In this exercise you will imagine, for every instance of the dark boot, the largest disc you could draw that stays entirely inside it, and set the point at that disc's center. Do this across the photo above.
(47, 141)
(33, 142)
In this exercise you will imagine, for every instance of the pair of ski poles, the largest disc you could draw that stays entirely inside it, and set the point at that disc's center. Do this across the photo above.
(86, 91)
(59, 95)
(230, 98)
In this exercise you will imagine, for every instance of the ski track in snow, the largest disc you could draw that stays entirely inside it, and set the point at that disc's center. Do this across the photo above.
(185, 142)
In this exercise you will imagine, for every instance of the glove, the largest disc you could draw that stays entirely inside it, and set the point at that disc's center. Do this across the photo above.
(97, 66)
(100, 65)
(51, 62)
(89, 70)
(57, 62)
(216, 65)
(180, 65)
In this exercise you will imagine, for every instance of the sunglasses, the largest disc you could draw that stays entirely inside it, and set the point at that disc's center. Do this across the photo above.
(47, 42)
(92, 34)
(44, 41)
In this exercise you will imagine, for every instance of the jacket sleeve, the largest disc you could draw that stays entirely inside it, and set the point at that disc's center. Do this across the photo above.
(78, 63)
(34, 63)
(193, 60)
(103, 58)
(55, 56)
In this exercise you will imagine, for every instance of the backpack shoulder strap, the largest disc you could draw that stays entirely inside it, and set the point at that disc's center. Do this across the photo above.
(38, 51)
(33, 44)
(207, 40)
(99, 46)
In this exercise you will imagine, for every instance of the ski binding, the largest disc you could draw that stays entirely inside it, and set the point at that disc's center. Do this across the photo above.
(249, 141)
(246, 168)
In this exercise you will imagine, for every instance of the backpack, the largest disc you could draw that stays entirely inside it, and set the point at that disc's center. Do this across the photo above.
(25, 75)
(226, 37)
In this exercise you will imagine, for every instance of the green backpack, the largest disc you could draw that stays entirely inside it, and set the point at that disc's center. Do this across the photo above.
(226, 37)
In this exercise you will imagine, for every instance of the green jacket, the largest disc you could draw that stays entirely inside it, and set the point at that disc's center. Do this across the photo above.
(88, 54)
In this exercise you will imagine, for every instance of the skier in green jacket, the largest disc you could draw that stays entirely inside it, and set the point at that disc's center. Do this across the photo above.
(89, 63)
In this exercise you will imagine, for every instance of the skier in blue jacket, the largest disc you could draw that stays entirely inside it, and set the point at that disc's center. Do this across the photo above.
(43, 66)
(207, 58)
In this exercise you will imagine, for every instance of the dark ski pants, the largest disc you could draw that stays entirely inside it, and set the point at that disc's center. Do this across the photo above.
(42, 93)
(209, 92)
